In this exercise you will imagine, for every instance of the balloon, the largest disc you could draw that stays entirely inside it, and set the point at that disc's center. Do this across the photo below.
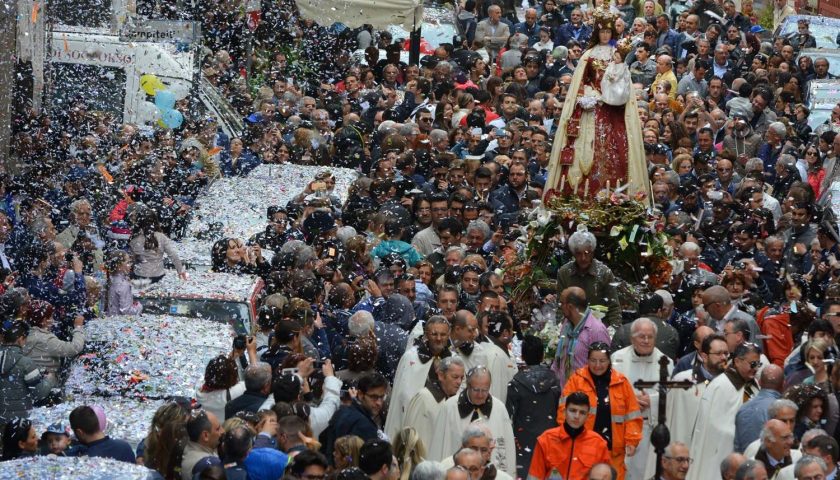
(180, 90)
(147, 112)
(151, 84)
(173, 118)
(165, 100)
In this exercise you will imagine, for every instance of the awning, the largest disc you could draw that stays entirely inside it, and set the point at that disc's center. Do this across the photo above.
(355, 13)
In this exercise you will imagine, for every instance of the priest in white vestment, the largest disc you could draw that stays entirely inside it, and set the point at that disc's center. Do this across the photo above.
(714, 428)
(640, 361)
(442, 383)
(413, 370)
(475, 403)
(462, 340)
(681, 411)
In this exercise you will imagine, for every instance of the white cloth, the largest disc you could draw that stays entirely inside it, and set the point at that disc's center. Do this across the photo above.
(787, 472)
(449, 427)
(614, 89)
(752, 449)
(682, 407)
(642, 465)
(714, 429)
(502, 369)
(478, 356)
(410, 378)
(3, 258)
(215, 400)
(421, 413)
(449, 462)
(319, 417)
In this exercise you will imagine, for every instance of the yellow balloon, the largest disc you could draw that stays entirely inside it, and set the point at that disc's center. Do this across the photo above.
(151, 84)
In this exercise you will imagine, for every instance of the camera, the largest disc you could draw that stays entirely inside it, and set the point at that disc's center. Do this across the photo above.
(239, 342)
(68, 257)
(655, 148)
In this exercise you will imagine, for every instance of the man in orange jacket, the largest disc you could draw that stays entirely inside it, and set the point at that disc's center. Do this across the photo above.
(570, 449)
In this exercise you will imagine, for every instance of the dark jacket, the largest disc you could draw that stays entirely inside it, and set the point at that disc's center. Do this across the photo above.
(275, 355)
(353, 419)
(247, 402)
(246, 162)
(106, 448)
(568, 31)
(391, 341)
(21, 383)
(532, 399)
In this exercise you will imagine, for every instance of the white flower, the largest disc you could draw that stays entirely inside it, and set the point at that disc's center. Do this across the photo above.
(588, 102)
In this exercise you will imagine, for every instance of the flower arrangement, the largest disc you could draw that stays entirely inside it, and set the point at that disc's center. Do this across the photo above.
(630, 242)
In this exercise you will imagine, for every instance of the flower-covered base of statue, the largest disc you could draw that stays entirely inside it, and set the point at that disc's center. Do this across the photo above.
(630, 242)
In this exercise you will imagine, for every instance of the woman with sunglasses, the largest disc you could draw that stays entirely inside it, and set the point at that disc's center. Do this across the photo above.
(617, 418)
(816, 172)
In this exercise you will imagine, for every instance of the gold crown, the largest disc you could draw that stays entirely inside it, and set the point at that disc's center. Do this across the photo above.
(604, 17)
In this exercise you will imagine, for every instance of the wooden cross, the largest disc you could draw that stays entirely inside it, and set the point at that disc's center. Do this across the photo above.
(660, 437)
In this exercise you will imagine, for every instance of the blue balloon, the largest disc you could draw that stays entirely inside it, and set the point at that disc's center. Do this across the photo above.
(165, 100)
(172, 118)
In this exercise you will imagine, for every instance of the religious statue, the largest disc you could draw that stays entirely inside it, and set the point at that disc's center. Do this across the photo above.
(598, 144)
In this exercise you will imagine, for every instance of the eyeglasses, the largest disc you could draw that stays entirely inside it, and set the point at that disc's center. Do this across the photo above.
(687, 460)
(479, 390)
(754, 364)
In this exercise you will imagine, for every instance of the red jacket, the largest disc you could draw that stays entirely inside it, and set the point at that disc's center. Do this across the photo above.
(572, 457)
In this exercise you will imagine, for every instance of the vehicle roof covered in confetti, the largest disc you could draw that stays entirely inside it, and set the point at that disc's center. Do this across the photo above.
(146, 356)
(72, 468)
(204, 285)
(236, 206)
(128, 419)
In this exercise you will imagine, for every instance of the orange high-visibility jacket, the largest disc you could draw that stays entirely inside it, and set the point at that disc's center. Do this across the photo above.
(627, 419)
(573, 458)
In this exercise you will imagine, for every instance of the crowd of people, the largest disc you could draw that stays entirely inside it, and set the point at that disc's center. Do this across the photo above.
(388, 343)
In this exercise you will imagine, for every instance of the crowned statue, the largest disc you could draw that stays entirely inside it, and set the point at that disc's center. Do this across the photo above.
(598, 144)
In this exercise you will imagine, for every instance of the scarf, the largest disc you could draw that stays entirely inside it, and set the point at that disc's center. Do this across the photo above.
(425, 353)
(603, 412)
(466, 407)
(568, 342)
(433, 385)
(572, 431)
(466, 348)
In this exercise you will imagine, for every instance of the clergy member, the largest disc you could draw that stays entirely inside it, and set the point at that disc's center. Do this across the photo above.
(475, 403)
(682, 406)
(462, 339)
(714, 428)
(442, 383)
(413, 370)
(640, 361)
(502, 367)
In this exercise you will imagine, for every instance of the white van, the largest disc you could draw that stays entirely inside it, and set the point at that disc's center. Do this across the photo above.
(92, 62)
